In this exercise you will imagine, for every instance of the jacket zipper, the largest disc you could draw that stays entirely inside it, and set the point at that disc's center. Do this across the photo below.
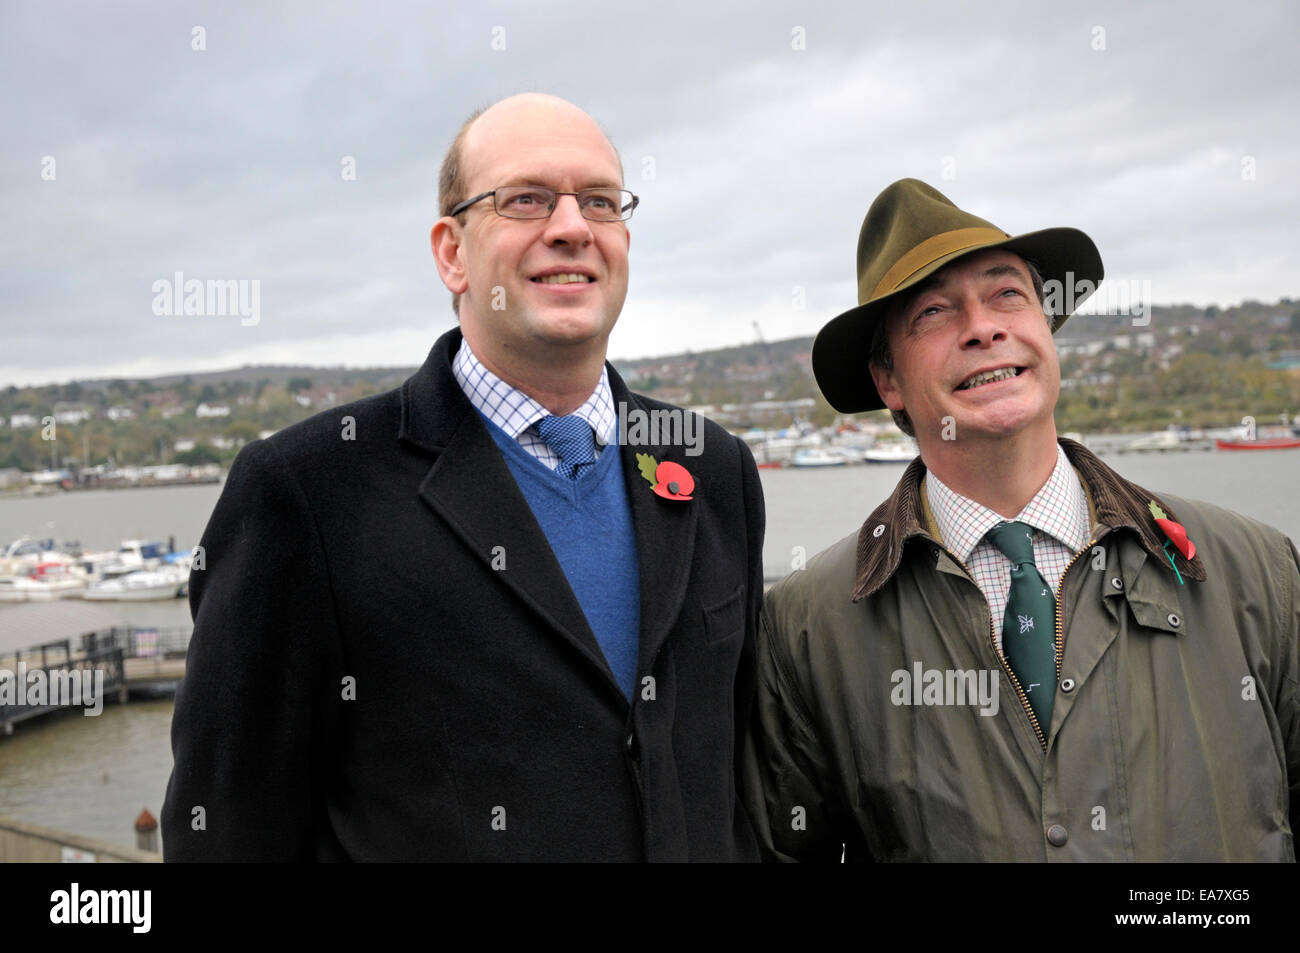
(993, 641)
(1060, 610)
(1059, 646)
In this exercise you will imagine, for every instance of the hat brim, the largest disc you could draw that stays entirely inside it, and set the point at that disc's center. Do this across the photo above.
(842, 349)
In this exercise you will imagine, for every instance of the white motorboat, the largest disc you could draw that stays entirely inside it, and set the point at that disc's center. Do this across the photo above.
(132, 556)
(23, 555)
(165, 582)
(46, 582)
(1162, 441)
(894, 451)
(818, 458)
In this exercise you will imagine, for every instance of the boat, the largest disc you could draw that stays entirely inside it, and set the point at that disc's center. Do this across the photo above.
(166, 582)
(1160, 442)
(818, 458)
(1268, 443)
(896, 451)
(22, 555)
(132, 556)
(851, 453)
(46, 582)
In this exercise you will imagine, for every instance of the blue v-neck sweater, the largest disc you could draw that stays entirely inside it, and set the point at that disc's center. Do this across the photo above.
(588, 522)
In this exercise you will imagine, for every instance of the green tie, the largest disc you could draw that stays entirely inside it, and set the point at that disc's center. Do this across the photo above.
(1029, 626)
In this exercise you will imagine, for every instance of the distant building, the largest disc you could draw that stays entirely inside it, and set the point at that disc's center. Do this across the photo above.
(212, 410)
(671, 395)
(120, 413)
(183, 446)
(71, 414)
(22, 421)
(1068, 346)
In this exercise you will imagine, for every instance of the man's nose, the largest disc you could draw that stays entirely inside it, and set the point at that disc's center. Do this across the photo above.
(566, 223)
(984, 325)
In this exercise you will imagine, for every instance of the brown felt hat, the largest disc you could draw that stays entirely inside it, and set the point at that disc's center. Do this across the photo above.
(910, 232)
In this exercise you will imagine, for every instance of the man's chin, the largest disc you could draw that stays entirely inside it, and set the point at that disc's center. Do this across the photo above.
(570, 329)
(987, 425)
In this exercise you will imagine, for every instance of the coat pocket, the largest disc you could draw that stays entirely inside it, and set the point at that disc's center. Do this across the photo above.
(725, 620)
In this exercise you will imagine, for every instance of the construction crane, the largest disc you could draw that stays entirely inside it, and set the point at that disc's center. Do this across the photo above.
(767, 353)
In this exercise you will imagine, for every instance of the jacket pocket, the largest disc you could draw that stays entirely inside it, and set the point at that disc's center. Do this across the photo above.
(726, 619)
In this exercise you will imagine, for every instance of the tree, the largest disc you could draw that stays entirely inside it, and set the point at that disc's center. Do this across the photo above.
(200, 455)
(1239, 343)
(241, 431)
(1193, 374)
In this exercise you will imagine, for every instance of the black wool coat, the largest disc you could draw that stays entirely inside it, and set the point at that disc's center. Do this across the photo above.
(389, 664)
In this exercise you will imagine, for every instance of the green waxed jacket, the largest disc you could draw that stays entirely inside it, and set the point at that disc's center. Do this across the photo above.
(1175, 731)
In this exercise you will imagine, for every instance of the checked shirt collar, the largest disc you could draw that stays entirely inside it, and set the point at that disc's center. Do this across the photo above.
(1058, 509)
(517, 414)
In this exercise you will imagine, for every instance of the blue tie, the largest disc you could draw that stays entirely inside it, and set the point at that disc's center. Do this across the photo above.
(572, 440)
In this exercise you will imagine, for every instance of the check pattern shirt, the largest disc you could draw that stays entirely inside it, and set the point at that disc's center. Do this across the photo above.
(1058, 513)
(517, 414)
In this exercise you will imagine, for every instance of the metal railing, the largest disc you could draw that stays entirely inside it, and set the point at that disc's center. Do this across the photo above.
(55, 686)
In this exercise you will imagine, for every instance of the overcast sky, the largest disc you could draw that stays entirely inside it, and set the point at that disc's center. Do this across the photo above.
(756, 133)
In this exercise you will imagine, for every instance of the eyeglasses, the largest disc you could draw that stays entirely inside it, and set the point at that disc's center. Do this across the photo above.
(535, 202)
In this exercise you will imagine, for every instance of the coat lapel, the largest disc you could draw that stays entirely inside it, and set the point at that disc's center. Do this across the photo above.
(665, 531)
(472, 489)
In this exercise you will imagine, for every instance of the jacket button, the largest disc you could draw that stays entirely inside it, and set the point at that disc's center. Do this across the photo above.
(1117, 583)
(1067, 684)
(633, 747)
(1173, 620)
(1057, 835)
(879, 531)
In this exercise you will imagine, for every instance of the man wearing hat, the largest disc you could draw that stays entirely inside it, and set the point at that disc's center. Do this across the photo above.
(1020, 655)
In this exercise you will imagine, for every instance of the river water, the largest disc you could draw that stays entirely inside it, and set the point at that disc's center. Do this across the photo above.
(94, 775)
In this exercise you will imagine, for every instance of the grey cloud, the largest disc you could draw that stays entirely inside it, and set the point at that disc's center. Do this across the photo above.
(225, 164)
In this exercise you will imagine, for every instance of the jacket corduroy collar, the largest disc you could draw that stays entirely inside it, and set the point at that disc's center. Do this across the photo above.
(1115, 502)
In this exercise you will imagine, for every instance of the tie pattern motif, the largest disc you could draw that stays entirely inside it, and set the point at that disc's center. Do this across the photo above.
(1029, 626)
(572, 440)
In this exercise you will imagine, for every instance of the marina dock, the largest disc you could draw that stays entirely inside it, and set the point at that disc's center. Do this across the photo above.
(80, 647)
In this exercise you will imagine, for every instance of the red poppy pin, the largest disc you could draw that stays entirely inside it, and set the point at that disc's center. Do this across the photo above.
(670, 480)
(1177, 535)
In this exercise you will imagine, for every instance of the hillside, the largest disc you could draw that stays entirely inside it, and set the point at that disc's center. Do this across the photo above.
(1179, 364)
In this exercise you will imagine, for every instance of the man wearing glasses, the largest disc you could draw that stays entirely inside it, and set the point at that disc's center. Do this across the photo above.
(458, 621)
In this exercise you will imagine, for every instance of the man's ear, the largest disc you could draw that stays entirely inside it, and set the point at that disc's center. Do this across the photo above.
(447, 240)
(887, 385)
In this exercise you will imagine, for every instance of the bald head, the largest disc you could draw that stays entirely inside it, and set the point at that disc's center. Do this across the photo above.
(539, 113)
